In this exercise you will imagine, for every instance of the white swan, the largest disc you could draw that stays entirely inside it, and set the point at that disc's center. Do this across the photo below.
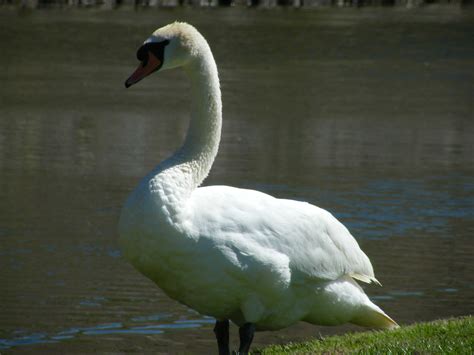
(230, 253)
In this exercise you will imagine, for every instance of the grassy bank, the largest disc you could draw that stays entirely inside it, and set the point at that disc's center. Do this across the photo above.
(452, 336)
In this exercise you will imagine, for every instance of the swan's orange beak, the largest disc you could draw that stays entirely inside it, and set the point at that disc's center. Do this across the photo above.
(144, 69)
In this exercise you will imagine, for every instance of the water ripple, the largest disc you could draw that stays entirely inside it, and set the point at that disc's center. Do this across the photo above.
(107, 329)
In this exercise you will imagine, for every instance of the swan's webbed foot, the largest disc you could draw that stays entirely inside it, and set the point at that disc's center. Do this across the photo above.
(221, 330)
(246, 336)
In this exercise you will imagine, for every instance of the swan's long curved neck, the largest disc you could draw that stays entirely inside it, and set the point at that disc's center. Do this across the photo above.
(204, 133)
(183, 172)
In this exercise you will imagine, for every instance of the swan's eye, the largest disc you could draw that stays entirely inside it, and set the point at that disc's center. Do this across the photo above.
(157, 48)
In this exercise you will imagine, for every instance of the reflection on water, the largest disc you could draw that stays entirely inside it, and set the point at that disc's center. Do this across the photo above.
(365, 113)
(107, 329)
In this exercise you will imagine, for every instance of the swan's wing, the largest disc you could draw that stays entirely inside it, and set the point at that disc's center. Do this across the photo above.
(314, 242)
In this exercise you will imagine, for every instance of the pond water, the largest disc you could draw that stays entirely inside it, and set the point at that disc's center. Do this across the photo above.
(365, 112)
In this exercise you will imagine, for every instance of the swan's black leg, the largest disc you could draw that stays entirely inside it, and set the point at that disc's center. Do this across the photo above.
(246, 336)
(222, 334)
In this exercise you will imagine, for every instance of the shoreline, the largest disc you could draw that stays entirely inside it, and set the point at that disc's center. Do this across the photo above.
(262, 4)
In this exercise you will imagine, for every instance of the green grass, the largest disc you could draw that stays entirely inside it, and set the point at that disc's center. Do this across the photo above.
(451, 336)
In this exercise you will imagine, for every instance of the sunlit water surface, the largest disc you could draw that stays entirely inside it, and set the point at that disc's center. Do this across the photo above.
(367, 113)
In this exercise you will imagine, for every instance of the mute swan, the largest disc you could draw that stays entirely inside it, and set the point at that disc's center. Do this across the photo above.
(230, 253)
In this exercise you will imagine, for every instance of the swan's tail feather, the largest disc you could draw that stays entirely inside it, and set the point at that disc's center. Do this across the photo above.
(373, 317)
(365, 278)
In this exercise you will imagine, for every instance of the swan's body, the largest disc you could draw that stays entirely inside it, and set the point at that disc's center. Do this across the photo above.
(234, 253)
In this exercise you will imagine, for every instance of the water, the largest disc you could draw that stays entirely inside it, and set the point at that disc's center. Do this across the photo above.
(367, 113)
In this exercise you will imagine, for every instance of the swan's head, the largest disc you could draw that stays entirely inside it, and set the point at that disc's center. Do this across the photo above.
(172, 46)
